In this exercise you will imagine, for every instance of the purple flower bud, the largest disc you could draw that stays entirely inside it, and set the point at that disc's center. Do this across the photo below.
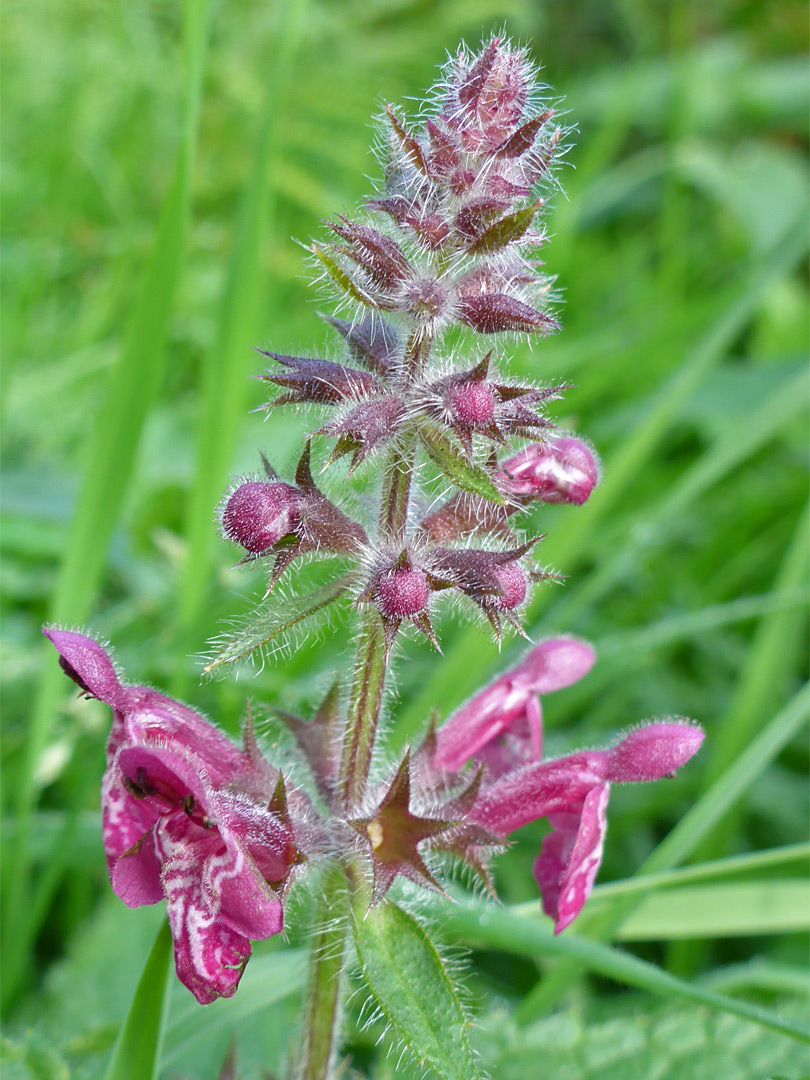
(562, 470)
(259, 514)
(472, 403)
(402, 592)
(491, 313)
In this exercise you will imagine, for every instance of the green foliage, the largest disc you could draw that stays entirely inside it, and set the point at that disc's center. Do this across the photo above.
(409, 983)
(679, 247)
(136, 1054)
(455, 466)
(661, 1045)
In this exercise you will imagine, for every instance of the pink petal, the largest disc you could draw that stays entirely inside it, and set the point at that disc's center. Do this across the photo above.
(136, 874)
(536, 791)
(265, 837)
(209, 955)
(653, 751)
(88, 664)
(549, 666)
(569, 858)
(210, 951)
(555, 664)
(151, 716)
(248, 904)
(124, 820)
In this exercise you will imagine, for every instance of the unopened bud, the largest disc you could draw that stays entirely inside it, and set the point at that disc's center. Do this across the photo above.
(402, 592)
(653, 751)
(258, 514)
(472, 403)
(512, 583)
(562, 470)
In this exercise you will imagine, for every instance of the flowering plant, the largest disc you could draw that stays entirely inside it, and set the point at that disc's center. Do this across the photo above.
(448, 245)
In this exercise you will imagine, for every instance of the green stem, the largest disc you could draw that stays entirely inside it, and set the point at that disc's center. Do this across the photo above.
(364, 710)
(394, 510)
(326, 965)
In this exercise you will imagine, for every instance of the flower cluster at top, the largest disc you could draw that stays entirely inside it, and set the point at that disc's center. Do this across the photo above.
(217, 831)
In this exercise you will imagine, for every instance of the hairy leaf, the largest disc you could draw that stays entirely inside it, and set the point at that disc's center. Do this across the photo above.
(410, 985)
(269, 627)
(455, 466)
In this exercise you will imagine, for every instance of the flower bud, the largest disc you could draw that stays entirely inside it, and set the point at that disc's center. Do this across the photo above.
(653, 751)
(562, 470)
(258, 514)
(512, 582)
(472, 403)
(402, 592)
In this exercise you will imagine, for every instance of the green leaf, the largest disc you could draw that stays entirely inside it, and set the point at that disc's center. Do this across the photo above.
(455, 466)
(269, 627)
(504, 231)
(660, 1044)
(339, 276)
(409, 983)
(136, 1052)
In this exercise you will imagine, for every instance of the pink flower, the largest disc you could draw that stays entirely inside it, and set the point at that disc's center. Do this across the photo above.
(502, 724)
(563, 469)
(572, 793)
(186, 817)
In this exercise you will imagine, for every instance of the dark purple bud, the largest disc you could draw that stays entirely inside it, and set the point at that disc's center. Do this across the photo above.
(491, 313)
(463, 514)
(472, 82)
(474, 217)
(257, 515)
(460, 180)
(431, 229)
(402, 592)
(397, 207)
(562, 470)
(381, 258)
(409, 144)
(317, 380)
(366, 426)
(444, 157)
(371, 341)
(523, 139)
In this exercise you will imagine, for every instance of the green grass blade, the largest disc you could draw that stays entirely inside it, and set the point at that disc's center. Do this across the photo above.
(720, 911)
(498, 928)
(767, 664)
(267, 980)
(736, 864)
(136, 1054)
(224, 374)
(110, 454)
(776, 412)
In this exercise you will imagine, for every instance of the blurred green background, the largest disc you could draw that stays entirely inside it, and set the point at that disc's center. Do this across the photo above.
(161, 165)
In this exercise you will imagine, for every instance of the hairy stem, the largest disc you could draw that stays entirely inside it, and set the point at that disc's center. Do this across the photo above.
(325, 969)
(364, 709)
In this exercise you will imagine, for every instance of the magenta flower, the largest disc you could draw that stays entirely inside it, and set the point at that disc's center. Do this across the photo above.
(186, 817)
(502, 724)
(572, 793)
